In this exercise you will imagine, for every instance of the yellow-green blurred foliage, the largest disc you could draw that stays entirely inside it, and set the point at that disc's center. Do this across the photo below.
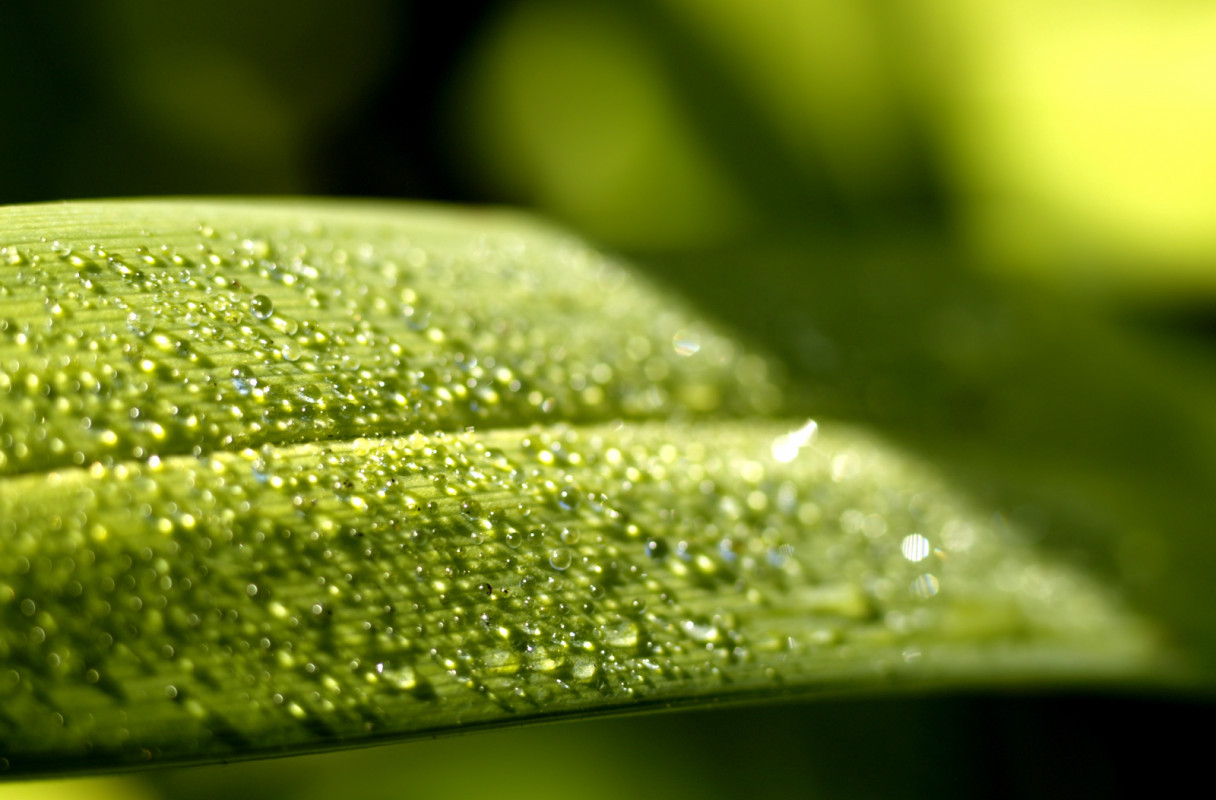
(1067, 139)
(572, 111)
(1083, 136)
(1063, 140)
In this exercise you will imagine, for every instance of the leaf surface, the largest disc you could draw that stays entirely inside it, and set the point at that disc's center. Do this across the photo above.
(288, 476)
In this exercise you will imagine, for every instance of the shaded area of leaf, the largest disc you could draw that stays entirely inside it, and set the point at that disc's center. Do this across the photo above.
(1102, 442)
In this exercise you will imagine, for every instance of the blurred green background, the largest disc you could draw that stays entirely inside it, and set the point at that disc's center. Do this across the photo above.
(1068, 143)
(985, 228)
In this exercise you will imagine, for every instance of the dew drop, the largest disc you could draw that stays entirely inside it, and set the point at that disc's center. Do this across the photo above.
(656, 548)
(569, 498)
(686, 342)
(560, 558)
(925, 586)
(262, 306)
(915, 547)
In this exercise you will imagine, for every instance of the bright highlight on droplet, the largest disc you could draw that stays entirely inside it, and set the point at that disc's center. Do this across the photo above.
(785, 448)
(915, 547)
(925, 585)
(686, 342)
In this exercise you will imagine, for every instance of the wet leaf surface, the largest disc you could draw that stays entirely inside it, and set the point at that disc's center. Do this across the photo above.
(279, 477)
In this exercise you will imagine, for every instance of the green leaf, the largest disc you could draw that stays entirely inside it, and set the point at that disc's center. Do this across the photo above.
(288, 476)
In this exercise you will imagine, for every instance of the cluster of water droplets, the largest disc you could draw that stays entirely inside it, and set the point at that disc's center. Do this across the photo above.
(385, 585)
(291, 487)
(220, 341)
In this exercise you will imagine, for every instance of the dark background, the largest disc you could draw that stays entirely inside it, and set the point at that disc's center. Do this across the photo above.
(985, 231)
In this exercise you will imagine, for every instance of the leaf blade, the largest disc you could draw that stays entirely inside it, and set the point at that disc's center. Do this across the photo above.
(305, 321)
(239, 587)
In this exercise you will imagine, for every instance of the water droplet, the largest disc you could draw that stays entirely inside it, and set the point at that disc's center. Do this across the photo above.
(915, 547)
(560, 558)
(241, 381)
(262, 306)
(925, 586)
(569, 498)
(686, 342)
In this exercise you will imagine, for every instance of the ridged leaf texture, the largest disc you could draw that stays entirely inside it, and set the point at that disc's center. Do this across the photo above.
(289, 476)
